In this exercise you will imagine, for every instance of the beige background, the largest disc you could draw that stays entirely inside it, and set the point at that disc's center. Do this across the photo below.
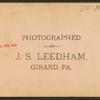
(16, 77)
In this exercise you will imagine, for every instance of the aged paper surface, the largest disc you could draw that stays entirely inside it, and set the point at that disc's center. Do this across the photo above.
(50, 49)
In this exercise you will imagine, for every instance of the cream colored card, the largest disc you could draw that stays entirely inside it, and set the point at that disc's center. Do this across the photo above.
(50, 49)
